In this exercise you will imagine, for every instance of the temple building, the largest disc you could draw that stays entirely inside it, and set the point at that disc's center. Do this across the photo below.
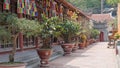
(33, 9)
(101, 22)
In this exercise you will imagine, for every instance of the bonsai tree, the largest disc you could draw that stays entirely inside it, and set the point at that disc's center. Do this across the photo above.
(69, 30)
(50, 28)
(11, 26)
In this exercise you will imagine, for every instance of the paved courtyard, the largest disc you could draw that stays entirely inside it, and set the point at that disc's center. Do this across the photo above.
(95, 56)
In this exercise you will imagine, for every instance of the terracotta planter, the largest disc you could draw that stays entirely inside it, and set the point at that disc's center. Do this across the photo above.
(44, 55)
(88, 43)
(82, 45)
(67, 48)
(16, 65)
(91, 41)
(75, 48)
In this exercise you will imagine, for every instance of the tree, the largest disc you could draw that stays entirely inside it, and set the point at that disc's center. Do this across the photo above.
(112, 2)
(69, 29)
(50, 28)
(87, 5)
(11, 26)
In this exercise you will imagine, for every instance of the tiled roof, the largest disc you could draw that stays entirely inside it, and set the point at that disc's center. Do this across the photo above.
(101, 17)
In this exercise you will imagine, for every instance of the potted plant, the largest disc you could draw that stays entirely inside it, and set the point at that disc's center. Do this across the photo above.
(11, 26)
(117, 36)
(50, 28)
(76, 38)
(83, 39)
(69, 30)
(94, 34)
(76, 41)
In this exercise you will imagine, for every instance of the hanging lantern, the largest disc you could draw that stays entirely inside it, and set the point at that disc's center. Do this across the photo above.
(20, 6)
(32, 9)
(27, 7)
(6, 5)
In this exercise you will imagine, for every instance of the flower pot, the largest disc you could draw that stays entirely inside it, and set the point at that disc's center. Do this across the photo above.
(82, 45)
(75, 48)
(67, 48)
(91, 41)
(13, 65)
(88, 43)
(44, 55)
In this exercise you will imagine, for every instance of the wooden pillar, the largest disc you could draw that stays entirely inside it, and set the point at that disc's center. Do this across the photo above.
(20, 15)
(36, 42)
(21, 41)
(65, 13)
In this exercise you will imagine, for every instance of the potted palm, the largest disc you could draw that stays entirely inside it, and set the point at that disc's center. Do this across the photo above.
(11, 26)
(50, 28)
(69, 30)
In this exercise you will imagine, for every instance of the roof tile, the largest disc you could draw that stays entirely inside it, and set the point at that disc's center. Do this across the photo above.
(101, 17)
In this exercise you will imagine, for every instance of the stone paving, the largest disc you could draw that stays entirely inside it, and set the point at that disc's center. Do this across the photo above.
(94, 56)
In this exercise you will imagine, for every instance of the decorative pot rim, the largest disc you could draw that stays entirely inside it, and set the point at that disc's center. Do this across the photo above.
(68, 44)
(43, 49)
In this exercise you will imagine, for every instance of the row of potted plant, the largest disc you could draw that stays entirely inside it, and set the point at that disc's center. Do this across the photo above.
(11, 26)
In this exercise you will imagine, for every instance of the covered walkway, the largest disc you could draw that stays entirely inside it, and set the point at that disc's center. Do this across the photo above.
(95, 56)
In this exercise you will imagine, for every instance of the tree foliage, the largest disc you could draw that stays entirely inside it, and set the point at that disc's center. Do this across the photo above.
(113, 2)
(94, 33)
(11, 26)
(50, 28)
(87, 5)
(70, 29)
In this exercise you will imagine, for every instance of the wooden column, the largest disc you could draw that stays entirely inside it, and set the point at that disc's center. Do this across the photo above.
(20, 15)
(36, 42)
(65, 13)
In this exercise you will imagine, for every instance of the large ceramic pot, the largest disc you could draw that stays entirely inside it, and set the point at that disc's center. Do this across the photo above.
(82, 45)
(14, 65)
(91, 41)
(75, 47)
(67, 48)
(87, 43)
(44, 55)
